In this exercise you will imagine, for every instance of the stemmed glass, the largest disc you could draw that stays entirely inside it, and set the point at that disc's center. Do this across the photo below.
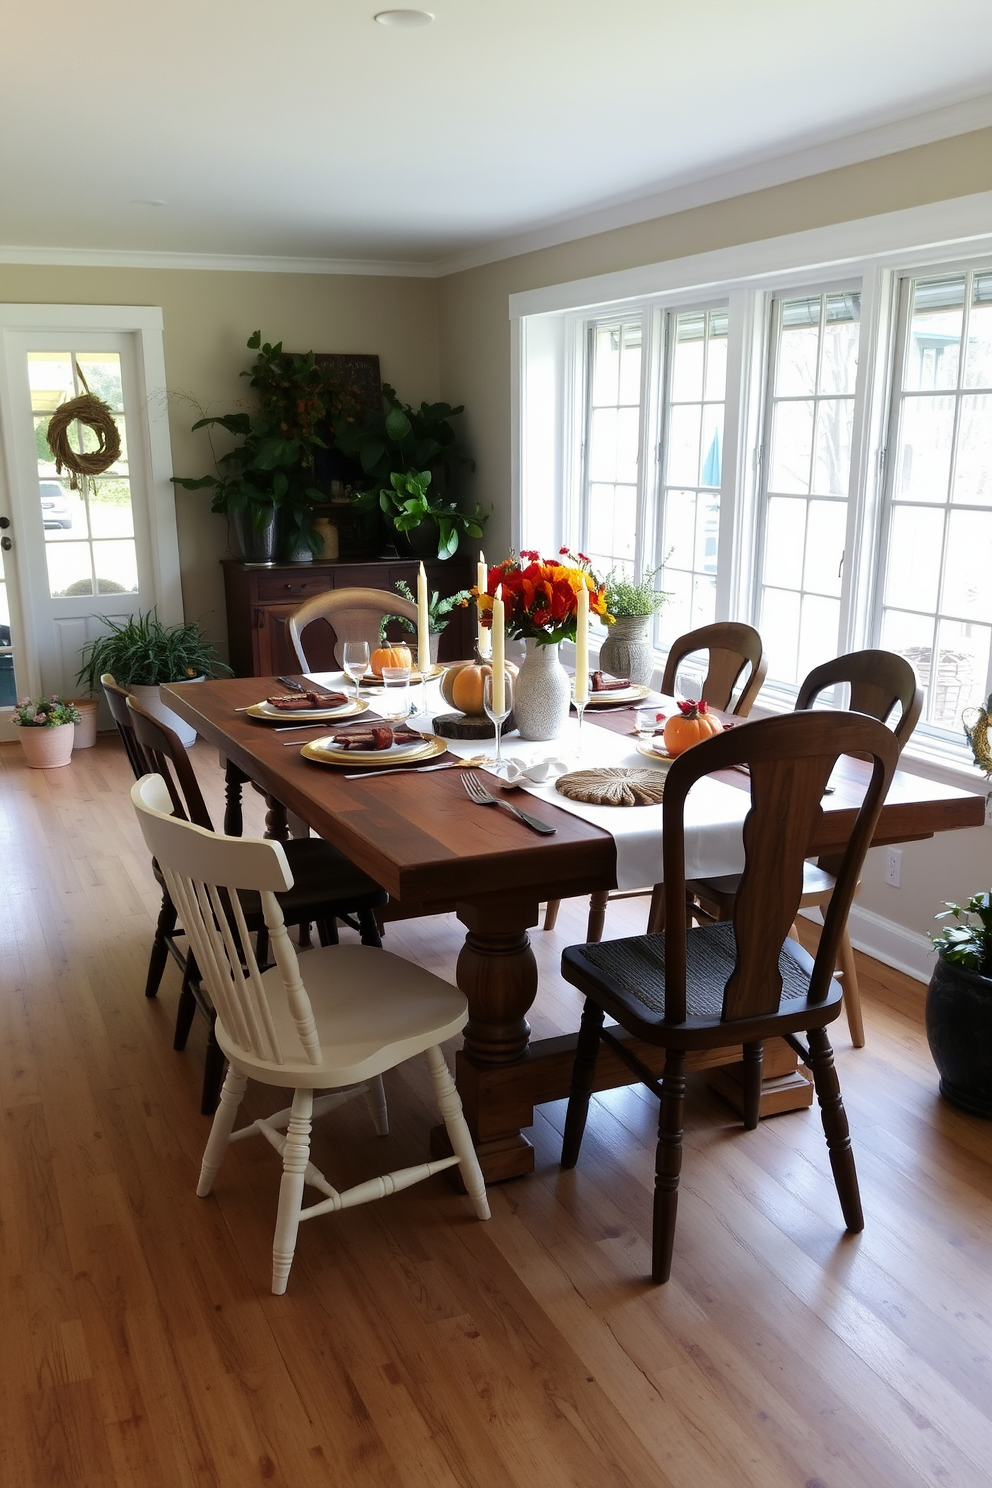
(355, 660)
(580, 708)
(498, 719)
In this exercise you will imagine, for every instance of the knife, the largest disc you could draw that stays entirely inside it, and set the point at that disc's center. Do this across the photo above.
(310, 687)
(459, 764)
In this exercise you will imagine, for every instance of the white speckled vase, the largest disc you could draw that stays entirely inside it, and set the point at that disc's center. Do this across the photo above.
(541, 694)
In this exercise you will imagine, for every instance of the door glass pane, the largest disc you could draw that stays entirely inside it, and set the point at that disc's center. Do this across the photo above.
(8, 685)
(116, 565)
(70, 569)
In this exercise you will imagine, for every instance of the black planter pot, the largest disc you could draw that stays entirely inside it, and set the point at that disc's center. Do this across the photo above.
(255, 544)
(420, 542)
(959, 1032)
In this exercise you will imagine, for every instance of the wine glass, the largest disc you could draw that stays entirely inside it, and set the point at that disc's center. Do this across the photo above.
(580, 708)
(498, 718)
(355, 660)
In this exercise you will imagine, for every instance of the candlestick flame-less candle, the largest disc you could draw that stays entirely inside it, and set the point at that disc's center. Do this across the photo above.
(481, 581)
(582, 647)
(423, 625)
(499, 653)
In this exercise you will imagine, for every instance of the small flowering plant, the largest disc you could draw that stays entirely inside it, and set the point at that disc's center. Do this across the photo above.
(541, 595)
(46, 713)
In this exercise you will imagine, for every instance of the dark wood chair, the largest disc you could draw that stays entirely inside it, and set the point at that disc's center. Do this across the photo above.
(732, 650)
(327, 887)
(879, 683)
(741, 981)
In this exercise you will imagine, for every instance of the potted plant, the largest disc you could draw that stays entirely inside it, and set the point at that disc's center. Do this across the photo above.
(632, 602)
(959, 1005)
(141, 653)
(47, 731)
(398, 437)
(430, 524)
(269, 475)
(438, 614)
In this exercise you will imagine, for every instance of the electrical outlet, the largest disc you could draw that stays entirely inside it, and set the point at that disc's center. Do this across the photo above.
(893, 866)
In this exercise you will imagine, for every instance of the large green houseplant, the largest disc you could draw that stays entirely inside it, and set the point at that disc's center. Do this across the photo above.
(397, 438)
(426, 520)
(268, 476)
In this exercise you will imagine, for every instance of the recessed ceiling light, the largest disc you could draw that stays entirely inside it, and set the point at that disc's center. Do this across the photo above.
(404, 17)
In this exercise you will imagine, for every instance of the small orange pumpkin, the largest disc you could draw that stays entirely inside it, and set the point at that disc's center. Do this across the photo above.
(462, 686)
(692, 723)
(390, 656)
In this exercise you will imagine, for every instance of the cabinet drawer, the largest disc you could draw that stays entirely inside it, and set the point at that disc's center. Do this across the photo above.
(289, 584)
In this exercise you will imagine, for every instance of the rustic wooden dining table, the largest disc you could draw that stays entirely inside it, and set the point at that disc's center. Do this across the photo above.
(434, 851)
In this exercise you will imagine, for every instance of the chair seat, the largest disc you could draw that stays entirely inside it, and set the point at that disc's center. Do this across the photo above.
(322, 874)
(818, 885)
(372, 1010)
(630, 980)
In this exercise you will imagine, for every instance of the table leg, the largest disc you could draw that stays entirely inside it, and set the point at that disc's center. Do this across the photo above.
(234, 779)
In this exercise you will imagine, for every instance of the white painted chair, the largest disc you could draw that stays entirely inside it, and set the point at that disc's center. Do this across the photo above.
(363, 1011)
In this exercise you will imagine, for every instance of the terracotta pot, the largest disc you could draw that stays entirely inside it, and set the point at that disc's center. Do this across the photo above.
(47, 748)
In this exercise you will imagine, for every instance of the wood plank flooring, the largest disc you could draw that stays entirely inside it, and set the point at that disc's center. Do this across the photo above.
(141, 1346)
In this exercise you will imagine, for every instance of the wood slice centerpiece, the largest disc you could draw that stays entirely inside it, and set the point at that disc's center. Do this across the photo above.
(462, 686)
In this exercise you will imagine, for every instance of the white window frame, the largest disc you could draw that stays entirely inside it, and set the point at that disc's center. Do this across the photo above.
(878, 252)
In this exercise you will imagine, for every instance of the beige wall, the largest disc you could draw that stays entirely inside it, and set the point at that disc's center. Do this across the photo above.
(475, 369)
(208, 317)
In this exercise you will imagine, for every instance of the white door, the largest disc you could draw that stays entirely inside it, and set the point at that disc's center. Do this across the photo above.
(77, 557)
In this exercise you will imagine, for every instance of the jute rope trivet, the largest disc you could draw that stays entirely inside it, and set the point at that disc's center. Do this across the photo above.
(95, 414)
(613, 785)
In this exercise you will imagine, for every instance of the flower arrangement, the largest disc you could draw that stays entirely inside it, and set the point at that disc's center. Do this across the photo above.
(47, 712)
(438, 610)
(541, 595)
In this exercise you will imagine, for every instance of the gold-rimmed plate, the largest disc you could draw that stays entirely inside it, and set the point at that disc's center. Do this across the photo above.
(269, 714)
(619, 695)
(650, 752)
(326, 752)
(371, 680)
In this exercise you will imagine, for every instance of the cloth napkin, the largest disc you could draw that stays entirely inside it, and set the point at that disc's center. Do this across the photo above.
(517, 772)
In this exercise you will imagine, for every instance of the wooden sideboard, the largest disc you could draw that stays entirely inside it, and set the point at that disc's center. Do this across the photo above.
(261, 597)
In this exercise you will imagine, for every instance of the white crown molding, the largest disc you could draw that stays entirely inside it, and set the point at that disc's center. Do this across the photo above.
(749, 173)
(945, 229)
(236, 263)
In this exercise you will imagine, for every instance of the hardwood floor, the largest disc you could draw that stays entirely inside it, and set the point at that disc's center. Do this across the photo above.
(416, 1346)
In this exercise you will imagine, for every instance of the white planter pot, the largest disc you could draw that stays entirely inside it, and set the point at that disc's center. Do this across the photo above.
(150, 699)
(86, 727)
(47, 748)
(541, 694)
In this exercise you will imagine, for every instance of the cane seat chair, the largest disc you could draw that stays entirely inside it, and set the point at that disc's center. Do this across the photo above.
(733, 650)
(343, 1018)
(352, 614)
(326, 887)
(879, 683)
(743, 980)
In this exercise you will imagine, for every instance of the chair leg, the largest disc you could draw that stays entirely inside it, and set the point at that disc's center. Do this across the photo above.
(835, 1127)
(213, 1073)
(375, 1098)
(583, 1073)
(164, 927)
(369, 926)
(327, 931)
(450, 1105)
(295, 1157)
(596, 922)
(220, 1131)
(852, 992)
(668, 1165)
(186, 1011)
(551, 913)
(753, 1058)
(656, 914)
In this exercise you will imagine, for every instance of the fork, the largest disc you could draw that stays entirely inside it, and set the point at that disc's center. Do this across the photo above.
(476, 791)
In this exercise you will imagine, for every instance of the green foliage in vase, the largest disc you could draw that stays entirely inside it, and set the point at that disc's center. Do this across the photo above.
(438, 610)
(969, 942)
(627, 596)
(407, 502)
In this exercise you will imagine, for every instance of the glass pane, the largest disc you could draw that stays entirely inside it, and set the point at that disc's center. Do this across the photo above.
(934, 342)
(792, 444)
(110, 511)
(50, 379)
(973, 468)
(703, 601)
(912, 569)
(834, 432)
(630, 365)
(116, 567)
(716, 356)
(924, 454)
(795, 374)
(8, 683)
(63, 512)
(711, 445)
(680, 528)
(826, 535)
(779, 629)
(817, 633)
(606, 365)
(962, 669)
(841, 334)
(785, 541)
(687, 363)
(69, 569)
(603, 445)
(911, 636)
(707, 533)
(628, 436)
(676, 617)
(683, 446)
(102, 370)
(968, 565)
(978, 365)
(611, 523)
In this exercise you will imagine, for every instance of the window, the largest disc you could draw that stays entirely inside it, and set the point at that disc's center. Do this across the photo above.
(613, 440)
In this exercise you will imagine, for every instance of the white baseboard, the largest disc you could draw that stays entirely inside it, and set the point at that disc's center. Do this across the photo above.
(892, 944)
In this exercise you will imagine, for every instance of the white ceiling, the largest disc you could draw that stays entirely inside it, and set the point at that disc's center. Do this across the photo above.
(302, 129)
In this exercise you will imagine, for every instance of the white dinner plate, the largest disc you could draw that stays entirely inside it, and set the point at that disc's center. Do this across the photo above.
(650, 752)
(270, 714)
(631, 694)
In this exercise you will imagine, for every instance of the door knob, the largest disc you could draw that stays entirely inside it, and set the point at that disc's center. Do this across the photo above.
(6, 543)
(4, 521)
